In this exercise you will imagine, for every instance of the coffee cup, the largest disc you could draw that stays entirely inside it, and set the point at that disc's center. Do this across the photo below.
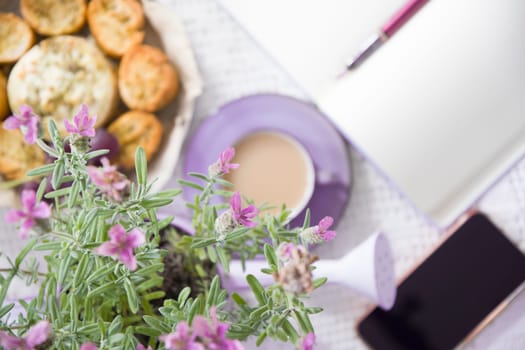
(275, 169)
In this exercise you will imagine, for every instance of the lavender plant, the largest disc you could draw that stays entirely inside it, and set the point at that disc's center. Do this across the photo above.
(101, 284)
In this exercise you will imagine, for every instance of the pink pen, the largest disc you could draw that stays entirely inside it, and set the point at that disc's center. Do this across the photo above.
(386, 31)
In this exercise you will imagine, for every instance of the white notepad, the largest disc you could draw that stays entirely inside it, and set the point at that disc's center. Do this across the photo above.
(440, 108)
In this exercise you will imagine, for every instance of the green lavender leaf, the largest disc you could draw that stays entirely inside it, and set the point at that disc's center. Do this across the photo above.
(183, 296)
(271, 257)
(44, 146)
(131, 294)
(95, 154)
(42, 170)
(195, 306)
(73, 195)
(318, 282)
(191, 184)
(257, 289)
(5, 309)
(141, 167)
(58, 173)
(199, 176)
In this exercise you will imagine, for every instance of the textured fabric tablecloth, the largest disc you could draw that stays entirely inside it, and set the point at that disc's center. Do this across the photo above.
(233, 66)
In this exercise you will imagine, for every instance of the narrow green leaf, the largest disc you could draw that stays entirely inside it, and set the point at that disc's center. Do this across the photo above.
(156, 323)
(257, 289)
(238, 299)
(155, 295)
(238, 233)
(53, 130)
(73, 312)
(212, 255)
(44, 146)
(48, 246)
(306, 222)
(223, 258)
(101, 289)
(101, 272)
(97, 153)
(314, 310)
(271, 257)
(131, 294)
(58, 173)
(290, 331)
(183, 296)
(165, 222)
(41, 189)
(199, 176)
(203, 243)
(80, 273)
(168, 193)
(116, 325)
(141, 166)
(58, 193)
(23, 253)
(261, 338)
(5, 309)
(148, 331)
(213, 292)
(42, 170)
(304, 321)
(155, 203)
(318, 282)
(195, 306)
(223, 182)
(73, 196)
(191, 184)
(153, 268)
(63, 269)
(256, 314)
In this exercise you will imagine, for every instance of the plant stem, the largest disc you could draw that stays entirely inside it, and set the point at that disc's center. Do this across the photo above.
(27, 272)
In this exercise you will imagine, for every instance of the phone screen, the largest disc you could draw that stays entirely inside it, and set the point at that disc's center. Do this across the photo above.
(448, 295)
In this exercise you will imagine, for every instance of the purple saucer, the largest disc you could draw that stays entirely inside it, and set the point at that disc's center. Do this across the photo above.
(300, 120)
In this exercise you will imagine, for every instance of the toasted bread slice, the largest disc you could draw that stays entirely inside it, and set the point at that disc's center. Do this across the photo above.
(52, 17)
(117, 25)
(133, 129)
(4, 108)
(58, 75)
(147, 79)
(16, 37)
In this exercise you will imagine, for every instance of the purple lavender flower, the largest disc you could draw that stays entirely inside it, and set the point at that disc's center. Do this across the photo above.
(322, 229)
(308, 342)
(108, 179)
(242, 216)
(181, 339)
(26, 121)
(121, 245)
(213, 332)
(30, 212)
(319, 233)
(36, 335)
(83, 124)
(222, 165)
(88, 346)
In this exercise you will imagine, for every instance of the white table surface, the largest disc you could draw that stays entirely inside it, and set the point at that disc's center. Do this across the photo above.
(233, 66)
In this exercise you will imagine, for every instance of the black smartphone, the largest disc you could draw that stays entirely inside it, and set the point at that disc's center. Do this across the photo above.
(451, 293)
